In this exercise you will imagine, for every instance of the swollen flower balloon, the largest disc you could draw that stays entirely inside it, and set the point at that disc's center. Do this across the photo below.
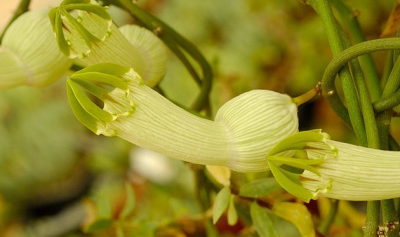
(243, 131)
(29, 54)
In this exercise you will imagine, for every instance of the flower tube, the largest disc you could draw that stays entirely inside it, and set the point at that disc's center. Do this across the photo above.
(84, 30)
(244, 129)
(334, 169)
(29, 54)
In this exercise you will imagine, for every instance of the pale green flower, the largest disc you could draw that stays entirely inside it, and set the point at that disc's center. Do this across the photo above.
(84, 30)
(243, 131)
(334, 169)
(29, 54)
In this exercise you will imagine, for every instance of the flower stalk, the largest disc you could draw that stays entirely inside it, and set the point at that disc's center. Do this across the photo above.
(244, 129)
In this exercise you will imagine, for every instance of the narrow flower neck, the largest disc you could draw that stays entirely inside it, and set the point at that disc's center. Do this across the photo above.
(163, 127)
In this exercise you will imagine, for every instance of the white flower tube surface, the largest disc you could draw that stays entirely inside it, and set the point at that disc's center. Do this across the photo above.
(334, 169)
(29, 54)
(85, 31)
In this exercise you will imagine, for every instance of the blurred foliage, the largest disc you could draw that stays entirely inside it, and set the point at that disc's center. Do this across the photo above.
(51, 166)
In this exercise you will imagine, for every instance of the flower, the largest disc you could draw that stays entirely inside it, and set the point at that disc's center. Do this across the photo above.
(334, 169)
(30, 54)
(84, 30)
(244, 129)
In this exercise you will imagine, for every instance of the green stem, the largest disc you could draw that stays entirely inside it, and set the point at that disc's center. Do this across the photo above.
(384, 118)
(389, 217)
(387, 103)
(169, 41)
(367, 110)
(335, 36)
(387, 69)
(371, 75)
(371, 127)
(328, 79)
(22, 8)
(323, 227)
(171, 38)
(393, 82)
(372, 221)
(301, 99)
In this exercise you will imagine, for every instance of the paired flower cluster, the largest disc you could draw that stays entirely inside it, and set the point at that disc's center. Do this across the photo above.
(112, 95)
(253, 132)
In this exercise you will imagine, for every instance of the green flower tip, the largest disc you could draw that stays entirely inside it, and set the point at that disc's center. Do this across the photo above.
(105, 84)
(310, 150)
(78, 23)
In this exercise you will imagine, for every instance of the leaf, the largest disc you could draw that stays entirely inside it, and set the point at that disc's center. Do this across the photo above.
(262, 222)
(120, 232)
(221, 203)
(130, 202)
(392, 24)
(98, 225)
(232, 213)
(259, 188)
(221, 174)
(298, 214)
(104, 208)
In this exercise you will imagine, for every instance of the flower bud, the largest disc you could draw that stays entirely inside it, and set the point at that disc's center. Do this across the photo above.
(255, 121)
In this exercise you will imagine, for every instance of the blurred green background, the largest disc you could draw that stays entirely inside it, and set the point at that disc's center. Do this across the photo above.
(51, 166)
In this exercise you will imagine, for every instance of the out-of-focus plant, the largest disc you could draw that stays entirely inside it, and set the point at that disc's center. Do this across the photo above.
(262, 174)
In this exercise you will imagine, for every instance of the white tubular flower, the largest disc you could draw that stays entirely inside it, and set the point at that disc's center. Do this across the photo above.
(334, 169)
(151, 49)
(30, 54)
(85, 30)
(243, 131)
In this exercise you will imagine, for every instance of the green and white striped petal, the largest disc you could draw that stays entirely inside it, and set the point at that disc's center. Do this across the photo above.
(78, 24)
